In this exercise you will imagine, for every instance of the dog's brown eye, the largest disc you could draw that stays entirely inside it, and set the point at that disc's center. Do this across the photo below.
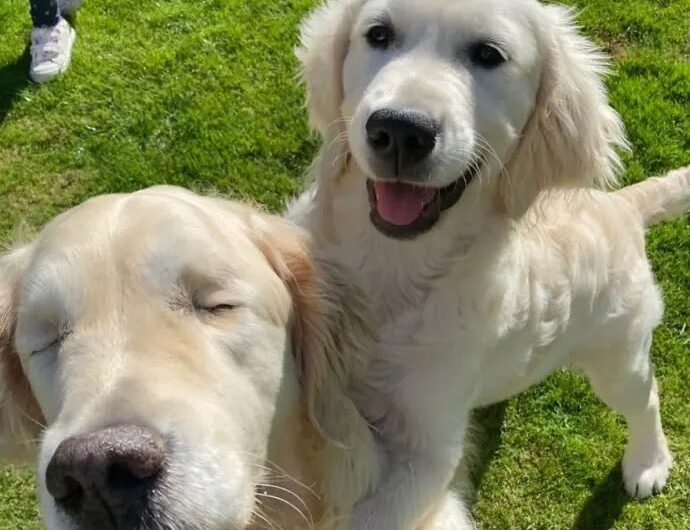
(380, 36)
(487, 55)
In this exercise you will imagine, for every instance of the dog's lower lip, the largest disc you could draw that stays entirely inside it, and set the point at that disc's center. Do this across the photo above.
(444, 199)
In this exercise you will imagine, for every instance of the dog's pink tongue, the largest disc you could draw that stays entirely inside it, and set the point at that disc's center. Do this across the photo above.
(401, 204)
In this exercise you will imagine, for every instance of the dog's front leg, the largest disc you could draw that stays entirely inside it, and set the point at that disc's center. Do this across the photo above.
(411, 486)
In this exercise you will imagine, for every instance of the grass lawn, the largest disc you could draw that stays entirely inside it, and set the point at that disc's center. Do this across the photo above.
(201, 93)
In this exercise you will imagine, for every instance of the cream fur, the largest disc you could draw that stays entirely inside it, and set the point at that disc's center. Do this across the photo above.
(533, 270)
(100, 325)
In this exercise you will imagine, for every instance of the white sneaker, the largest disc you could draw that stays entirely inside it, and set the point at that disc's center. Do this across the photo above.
(51, 51)
(69, 7)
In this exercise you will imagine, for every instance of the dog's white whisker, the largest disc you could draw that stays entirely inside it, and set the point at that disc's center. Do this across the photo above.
(289, 492)
(304, 517)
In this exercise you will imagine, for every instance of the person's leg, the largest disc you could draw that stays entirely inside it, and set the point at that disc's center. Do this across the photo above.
(44, 13)
(52, 39)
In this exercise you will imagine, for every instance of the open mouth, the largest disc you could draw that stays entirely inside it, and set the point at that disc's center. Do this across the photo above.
(404, 211)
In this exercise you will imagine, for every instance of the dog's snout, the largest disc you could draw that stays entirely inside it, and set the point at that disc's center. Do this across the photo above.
(402, 138)
(103, 479)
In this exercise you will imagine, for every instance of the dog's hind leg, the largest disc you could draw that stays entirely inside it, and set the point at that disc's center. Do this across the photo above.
(623, 378)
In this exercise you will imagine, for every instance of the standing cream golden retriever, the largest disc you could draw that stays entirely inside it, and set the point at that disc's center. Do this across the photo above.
(152, 347)
(463, 145)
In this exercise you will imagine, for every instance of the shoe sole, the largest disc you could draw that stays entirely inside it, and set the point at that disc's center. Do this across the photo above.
(44, 78)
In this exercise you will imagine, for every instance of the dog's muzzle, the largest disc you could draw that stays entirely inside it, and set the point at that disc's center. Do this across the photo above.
(402, 205)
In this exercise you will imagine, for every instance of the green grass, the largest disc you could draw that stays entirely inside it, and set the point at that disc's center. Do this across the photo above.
(202, 93)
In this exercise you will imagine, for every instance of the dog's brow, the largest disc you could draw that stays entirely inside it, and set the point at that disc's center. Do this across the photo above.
(379, 16)
(493, 41)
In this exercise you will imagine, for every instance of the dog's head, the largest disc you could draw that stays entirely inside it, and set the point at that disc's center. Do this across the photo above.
(160, 338)
(439, 96)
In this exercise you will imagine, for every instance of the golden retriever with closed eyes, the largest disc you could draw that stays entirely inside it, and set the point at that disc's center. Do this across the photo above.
(464, 146)
(154, 336)
(180, 351)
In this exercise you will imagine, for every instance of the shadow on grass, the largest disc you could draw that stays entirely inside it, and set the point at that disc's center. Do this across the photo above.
(485, 439)
(15, 77)
(601, 511)
(604, 507)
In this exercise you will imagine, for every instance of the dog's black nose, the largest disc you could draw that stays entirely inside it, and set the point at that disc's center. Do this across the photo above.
(104, 479)
(403, 138)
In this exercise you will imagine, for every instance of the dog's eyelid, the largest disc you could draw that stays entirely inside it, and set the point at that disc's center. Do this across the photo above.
(378, 19)
(217, 309)
(477, 53)
(222, 307)
(491, 41)
(44, 349)
(60, 338)
(217, 303)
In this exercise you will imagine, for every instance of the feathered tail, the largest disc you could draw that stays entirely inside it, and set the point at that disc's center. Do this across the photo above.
(660, 198)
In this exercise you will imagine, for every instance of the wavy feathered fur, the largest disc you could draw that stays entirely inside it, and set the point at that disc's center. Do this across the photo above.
(20, 416)
(535, 268)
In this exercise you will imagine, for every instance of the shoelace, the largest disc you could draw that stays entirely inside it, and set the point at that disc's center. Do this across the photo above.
(46, 44)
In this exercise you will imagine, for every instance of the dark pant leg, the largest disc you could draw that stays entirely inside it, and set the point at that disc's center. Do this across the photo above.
(44, 13)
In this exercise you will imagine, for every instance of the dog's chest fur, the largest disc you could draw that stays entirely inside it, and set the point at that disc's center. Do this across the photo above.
(461, 339)
(468, 315)
(438, 310)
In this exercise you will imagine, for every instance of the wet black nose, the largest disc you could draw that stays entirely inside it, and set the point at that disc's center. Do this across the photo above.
(104, 479)
(403, 138)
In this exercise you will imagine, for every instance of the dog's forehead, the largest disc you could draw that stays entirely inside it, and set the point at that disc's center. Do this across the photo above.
(145, 216)
(454, 16)
(154, 235)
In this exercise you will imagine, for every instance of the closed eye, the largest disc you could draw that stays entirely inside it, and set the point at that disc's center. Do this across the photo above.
(221, 307)
(216, 309)
(46, 348)
(200, 304)
(56, 342)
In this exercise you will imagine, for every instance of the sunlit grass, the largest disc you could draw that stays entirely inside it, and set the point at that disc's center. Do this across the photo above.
(203, 94)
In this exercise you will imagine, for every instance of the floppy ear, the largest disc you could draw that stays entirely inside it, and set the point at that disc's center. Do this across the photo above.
(573, 135)
(20, 416)
(324, 42)
(331, 329)
(325, 323)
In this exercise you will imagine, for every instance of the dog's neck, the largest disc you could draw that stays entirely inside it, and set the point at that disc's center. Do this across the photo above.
(338, 218)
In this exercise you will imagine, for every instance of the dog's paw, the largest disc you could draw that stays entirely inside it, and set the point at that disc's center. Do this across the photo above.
(452, 514)
(643, 479)
(369, 515)
(363, 516)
